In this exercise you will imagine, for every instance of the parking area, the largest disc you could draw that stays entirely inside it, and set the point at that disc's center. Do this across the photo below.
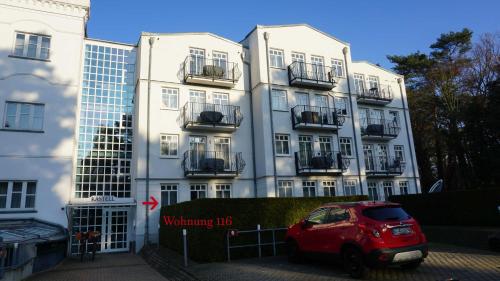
(444, 262)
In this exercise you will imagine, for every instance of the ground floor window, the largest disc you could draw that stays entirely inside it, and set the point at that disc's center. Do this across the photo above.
(388, 189)
(17, 194)
(329, 188)
(373, 191)
(222, 191)
(309, 188)
(285, 188)
(403, 187)
(198, 191)
(168, 194)
(350, 188)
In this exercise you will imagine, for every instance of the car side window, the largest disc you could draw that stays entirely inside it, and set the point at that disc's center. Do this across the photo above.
(319, 216)
(338, 214)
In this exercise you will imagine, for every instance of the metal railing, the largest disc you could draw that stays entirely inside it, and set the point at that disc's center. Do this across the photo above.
(384, 165)
(379, 127)
(258, 232)
(320, 160)
(215, 69)
(210, 114)
(315, 115)
(298, 70)
(212, 162)
(379, 92)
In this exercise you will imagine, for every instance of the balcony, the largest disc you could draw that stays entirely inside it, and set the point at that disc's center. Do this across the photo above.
(208, 116)
(312, 76)
(379, 129)
(211, 72)
(380, 95)
(212, 164)
(316, 118)
(309, 162)
(384, 166)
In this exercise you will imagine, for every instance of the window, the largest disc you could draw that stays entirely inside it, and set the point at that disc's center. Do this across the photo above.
(341, 105)
(325, 145)
(373, 81)
(168, 194)
(169, 145)
(279, 100)
(350, 188)
(389, 213)
(338, 214)
(276, 58)
(170, 98)
(285, 188)
(318, 216)
(318, 68)
(403, 187)
(394, 118)
(32, 46)
(346, 146)
(373, 191)
(303, 99)
(359, 84)
(338, 68)
(321, 100)
(24, 116)
(329, 188)
(198, 191)
(220, 98)
(17, 194)
(298, 57)
(309, 188)
(282, 144)
(388, 189)
(399, 153)
(197, 96)
(222, 191)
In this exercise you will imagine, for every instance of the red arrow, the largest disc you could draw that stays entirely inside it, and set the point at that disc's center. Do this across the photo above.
(153, 202)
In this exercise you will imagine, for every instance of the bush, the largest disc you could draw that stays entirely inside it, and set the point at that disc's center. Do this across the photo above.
(465, 208)
(210, 244)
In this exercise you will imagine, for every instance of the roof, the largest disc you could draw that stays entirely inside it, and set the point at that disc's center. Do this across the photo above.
(30, 231)
(379, 67)
(190, 33)
(295, 25)
(362, 203)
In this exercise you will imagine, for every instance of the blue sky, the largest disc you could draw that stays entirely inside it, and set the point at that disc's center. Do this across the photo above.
(374, 28)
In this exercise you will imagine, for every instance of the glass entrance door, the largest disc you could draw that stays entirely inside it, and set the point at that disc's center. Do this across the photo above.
(114, 236)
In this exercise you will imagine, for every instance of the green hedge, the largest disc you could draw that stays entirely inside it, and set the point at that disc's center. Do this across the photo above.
(210, 244)
(463, 208)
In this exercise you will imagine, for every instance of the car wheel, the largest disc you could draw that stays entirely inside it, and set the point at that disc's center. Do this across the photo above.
(494, 244)
(354, 263)
(293, 251)
(411, 266)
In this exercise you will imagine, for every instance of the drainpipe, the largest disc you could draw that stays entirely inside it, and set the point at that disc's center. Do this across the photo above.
(266, 37)
(338, 138)
(400, 81)
(345, 51)
(150, 62)
(251, 126)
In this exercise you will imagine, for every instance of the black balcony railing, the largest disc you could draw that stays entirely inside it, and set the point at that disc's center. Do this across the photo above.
(373, 127)
(193, 113)
(214, 69)
(314, 116)
(377, 94)
(197, 162)
(310, 75)
(383, 165)
(319, 162)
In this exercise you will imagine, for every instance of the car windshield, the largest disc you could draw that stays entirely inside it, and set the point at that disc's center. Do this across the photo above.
(386, 213)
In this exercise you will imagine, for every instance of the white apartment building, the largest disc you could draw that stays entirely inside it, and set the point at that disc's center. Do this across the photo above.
(91, 129)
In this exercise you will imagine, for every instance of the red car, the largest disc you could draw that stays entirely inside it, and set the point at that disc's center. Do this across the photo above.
(361, 234)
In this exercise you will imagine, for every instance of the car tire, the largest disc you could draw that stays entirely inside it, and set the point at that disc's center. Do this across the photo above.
(412, 265)
(293, 251)
(354, 262)
(494, 244)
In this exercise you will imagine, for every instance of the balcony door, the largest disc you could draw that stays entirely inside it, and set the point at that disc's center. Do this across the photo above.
(305, 150)
(382, 157)
(373, 82)
(222, 148)
(198, 102)
(359, 84)
(300, 64)
(376, 116)
(198, 148)
(368, 153)
(325, 146)
(197, 61)
(303, 99)
(220, 60)
(318, 68)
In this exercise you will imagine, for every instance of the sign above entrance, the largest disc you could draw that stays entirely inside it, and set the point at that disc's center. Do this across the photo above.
(102, 200)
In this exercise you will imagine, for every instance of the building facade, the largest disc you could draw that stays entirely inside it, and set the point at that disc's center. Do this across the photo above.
(92, 129)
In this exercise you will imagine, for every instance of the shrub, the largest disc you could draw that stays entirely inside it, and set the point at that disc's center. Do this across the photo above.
(465, 208)
(210, 244)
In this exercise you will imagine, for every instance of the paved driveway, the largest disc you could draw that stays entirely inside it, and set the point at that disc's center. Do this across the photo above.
(109, 267)
(443, 262)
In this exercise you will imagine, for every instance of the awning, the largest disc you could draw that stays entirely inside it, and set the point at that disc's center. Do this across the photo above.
(30, 231)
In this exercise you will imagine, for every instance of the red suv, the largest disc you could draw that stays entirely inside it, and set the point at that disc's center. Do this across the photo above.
(361, 234)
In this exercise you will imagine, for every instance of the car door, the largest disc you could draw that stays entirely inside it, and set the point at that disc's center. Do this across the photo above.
(310, 237)
(338, 230)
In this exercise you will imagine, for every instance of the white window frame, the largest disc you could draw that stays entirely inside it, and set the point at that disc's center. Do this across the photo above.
(336, 66)
(345, 142)
(359, 83)
(276, 58)
(221, 189)
(166, 95)
(399, 149)
(279, 99)
(198, 188)
(285, 188)
(373, 82)
(284, 138)
(38, 51)
(329, 185)
(404, 187)
(302, 94)
(167, 139)
(373, 190)
(24, 194)
(344, 109)
(309, 186)
(169, 188)
(386, 185)
(30, 115)
(349, 186)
